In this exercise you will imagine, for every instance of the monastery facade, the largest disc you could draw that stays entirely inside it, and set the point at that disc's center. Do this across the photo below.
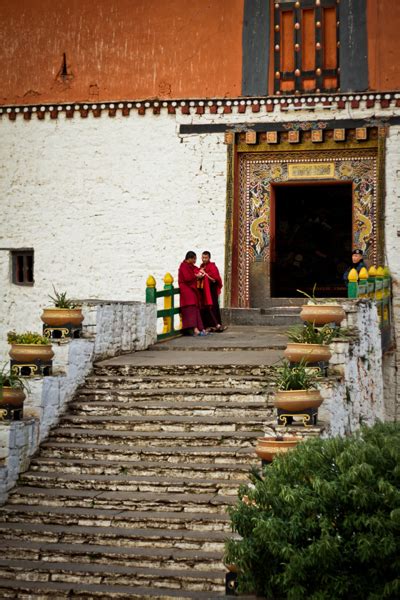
(265, 132)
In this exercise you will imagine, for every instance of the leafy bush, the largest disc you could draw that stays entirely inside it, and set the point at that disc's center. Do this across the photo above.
(323, 521)
(309, 334)
(29, 337)
(60, 300)
(299, 377)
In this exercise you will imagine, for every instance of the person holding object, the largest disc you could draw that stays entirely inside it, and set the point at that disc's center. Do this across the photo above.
(212, 285)
(188, 276)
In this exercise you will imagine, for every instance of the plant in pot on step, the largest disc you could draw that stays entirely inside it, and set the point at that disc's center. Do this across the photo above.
(321, 311)
(310, 343)
(64, 313)
(297, 391)
(30, 351)
(13, 389)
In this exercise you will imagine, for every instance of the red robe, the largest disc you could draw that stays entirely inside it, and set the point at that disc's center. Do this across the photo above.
(187, 281)
(212, 270)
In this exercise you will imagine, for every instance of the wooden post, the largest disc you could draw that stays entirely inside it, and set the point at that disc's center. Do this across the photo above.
(371, 282)
(352, 288)
(386, 297)
(363, 283)
(168, 303)
(379, 293)
(151, 290)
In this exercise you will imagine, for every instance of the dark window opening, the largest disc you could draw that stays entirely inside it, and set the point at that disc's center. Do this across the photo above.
(22, 267)
(313, 239)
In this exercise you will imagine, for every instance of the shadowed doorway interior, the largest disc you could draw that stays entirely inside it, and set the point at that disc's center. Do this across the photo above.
(313, 239)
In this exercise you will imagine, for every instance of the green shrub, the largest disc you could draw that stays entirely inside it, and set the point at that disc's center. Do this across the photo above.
(323, 521)
(29, 337)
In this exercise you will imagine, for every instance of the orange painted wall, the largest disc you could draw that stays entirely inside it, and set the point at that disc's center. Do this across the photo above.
(119, 49)
(383, 22)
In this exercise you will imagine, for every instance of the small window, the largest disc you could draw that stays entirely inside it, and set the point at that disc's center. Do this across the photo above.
(22, 267)
(306, 46)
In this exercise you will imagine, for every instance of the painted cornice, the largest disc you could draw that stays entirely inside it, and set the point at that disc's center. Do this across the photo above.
(205, 106)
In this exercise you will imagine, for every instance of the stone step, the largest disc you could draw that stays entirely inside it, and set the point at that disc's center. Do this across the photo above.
(233, 471)
(236, 439)
(174, 579)
(26, 590)
(134, 556)
(205, 540)
(175, 396)
(167, 423)
(175, 454)
(59, 515)
(132, 483)
(176, 370)
(173, 381)
(87, 498)
(262, 407)
(280, 314)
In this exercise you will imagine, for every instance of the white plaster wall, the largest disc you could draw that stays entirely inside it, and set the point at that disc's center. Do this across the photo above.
(104, 202)
(392, 242)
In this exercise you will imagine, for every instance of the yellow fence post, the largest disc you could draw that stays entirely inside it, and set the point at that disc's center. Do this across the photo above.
(168, 302)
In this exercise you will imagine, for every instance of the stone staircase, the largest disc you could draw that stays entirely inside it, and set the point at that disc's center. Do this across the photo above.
(128, 496)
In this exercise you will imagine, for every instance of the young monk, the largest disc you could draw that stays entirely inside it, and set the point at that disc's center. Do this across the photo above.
(210, 313)
(188, 276)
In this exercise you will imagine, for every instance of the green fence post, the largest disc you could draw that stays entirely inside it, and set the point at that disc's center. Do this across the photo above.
(151, 290)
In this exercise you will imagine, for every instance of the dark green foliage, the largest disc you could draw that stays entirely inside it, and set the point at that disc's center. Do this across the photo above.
(323, 522)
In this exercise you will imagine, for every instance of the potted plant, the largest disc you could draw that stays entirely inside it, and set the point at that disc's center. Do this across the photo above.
(30, 347)
(296, 388)
(310, 343)
(64, 312)
(269, 447)
(12, 394)
(321, 311)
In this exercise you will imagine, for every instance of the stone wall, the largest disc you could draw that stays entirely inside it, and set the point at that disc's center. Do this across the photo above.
(109, 328)
(356, 396)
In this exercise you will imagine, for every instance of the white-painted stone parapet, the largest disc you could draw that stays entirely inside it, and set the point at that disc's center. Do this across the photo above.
(109, 328)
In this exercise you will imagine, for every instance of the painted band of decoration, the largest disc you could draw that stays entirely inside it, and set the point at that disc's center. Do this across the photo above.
(258, 172)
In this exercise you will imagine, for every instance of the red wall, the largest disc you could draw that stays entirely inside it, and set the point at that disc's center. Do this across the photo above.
(119, 49)
(383, 44)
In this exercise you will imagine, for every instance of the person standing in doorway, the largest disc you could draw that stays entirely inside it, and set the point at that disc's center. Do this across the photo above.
(210, 312)
(357, 259)
(188, 276)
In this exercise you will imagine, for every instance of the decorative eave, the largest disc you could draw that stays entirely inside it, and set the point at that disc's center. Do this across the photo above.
(206, 106)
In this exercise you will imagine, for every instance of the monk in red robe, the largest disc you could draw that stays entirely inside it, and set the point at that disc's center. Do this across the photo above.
(210, 312)
(188, 276)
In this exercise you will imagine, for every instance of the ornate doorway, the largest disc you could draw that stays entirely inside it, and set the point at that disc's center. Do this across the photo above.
(258, 176)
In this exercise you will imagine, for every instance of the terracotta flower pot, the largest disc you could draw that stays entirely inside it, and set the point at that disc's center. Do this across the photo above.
(11, 403)
(31, 352)
(12, 396)
(267, 448)
(297, 400)
(295, 352)
(322, 314)
(56, 317)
